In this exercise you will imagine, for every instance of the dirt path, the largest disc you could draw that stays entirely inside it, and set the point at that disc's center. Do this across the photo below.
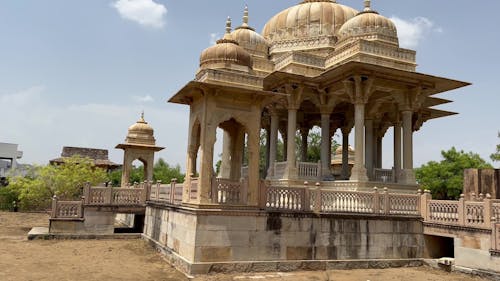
(134, 260)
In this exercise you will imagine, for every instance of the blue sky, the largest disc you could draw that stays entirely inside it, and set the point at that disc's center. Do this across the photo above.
(78, 73)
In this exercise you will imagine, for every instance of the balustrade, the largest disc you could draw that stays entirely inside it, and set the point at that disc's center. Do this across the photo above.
(66, 209)
(226, 191)
(309, 171)
(383, 175)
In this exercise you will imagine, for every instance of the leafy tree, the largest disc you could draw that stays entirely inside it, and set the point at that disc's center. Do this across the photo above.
(445, 178)
(496, 156)
(35, 190)
(161, 171)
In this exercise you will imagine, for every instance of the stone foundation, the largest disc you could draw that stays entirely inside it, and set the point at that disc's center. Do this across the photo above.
(203, 241)
(94, 222)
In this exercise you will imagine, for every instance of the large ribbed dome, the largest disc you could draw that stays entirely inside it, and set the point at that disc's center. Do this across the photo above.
(311, 18)
(369, 25)
(225, 51)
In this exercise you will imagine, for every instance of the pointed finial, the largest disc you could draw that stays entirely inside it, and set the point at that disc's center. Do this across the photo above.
(228, 25)
(367, 5)
(245, 16)
(142, 117)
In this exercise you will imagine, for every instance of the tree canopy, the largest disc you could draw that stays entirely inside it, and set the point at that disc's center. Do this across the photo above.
(161, 171)
(496, 155)
(35, 190)
(445, 178)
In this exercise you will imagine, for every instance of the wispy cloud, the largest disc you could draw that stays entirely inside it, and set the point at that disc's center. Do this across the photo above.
(412, 32)
(144, 12)
(143, 99)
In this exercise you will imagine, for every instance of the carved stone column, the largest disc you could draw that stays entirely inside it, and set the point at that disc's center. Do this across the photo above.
(273, 143)
(291, 167)
(408, 174)
(369, 144)
(345, 153)
(225, 167)
(325, 143)
(397, 149)
(304, 133)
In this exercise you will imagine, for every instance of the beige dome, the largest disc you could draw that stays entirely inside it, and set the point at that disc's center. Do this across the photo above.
(311, 18)
(369, 25)
(338, 151)
(249, 39)
(141, 133)
(225, 51)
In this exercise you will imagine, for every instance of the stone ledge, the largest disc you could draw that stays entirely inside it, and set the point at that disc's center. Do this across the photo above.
(42, 233)
(201, 268)
(457, 227)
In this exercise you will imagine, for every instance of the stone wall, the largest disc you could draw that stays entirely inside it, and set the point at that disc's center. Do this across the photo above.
(94, 222)
(92, 153)
(204, 239)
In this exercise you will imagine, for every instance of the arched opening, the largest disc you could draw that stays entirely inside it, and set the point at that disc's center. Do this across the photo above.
(232, 140)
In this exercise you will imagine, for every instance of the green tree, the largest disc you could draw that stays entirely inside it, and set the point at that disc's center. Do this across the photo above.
(35, 190)
(496, 156)
(445, 178)
(161, 171)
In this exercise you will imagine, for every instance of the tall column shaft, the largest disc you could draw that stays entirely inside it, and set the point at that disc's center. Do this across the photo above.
(273, 144)
(325, 143)
(225, 167)
(345, 155)
(369, 147)
(397, 148)
(291, 170)
(378, 153)
(359, 170)
(408, 147)
(303, 149)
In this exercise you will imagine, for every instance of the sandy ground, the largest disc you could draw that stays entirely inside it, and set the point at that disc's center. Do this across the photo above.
(21, 259)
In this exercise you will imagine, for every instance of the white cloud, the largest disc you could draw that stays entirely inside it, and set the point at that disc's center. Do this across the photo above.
(143, 99)
(145, 12)
(412, 32)
(213, 38)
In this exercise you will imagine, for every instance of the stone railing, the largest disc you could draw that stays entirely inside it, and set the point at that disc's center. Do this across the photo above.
(300, 199)
(170, 193)
(116, 196)
(225, 191)
(384, 175)
(480, 212)
(66, 209)
(309, 171)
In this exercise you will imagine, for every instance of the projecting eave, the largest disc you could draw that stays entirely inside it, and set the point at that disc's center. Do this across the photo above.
(436, 113)
(384, 76)
(139, 146)
(432, 101)
(430, 84)
(195, 89)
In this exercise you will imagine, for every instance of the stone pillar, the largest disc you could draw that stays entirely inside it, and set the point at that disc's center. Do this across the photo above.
(127, 166)
(304, 133)
(268, 151)
(273, 143)
(397, 150)
(408, 174)
(291, 168)
(345, 153)
(358, 170)
(325, 143)
(207, 141)
(237, 146)
(379, 154)
(369, 145)
(225, 167)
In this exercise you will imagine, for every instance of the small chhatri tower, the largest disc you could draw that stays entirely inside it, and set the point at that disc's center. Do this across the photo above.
(140, 144)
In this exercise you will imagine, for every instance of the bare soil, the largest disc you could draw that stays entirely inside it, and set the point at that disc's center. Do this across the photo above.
(21, 259)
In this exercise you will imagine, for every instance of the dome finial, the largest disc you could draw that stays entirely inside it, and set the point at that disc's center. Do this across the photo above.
(141, 120)
(228, 25)
(368, 5)
(245, 16)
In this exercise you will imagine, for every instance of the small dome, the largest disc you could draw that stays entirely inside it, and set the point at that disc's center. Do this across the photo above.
(338, 151)
(141, 133)
(309, 19)
(225, 51)
(369, 25)
(249, 39)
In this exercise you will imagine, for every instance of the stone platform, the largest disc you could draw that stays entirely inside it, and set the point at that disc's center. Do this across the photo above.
(203, 241)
